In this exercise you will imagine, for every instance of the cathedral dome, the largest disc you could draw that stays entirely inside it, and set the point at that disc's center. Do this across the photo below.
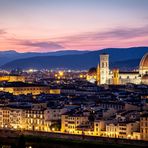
(145, 77)
(143, 67)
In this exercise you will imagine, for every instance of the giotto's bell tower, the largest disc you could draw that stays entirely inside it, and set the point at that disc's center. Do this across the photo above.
(104, 68)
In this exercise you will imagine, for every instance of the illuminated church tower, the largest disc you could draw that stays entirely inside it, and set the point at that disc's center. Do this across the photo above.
(116, 76)
(104, 68)
(98, 75)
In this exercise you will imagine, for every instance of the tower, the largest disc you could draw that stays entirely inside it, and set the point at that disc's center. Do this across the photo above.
(116, 76)
(98, 75)
(104, 68)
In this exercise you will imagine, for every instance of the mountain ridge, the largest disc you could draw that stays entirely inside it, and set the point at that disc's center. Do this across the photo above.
(123, 58)
(10, 55)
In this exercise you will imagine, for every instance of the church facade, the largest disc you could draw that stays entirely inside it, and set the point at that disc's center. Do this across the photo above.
(106, 76)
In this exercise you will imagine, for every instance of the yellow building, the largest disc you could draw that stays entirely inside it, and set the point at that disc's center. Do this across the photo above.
(116, 76)
(54, 91)
(15, 117)
(34, 120)
(136, 136)
(144, 127)
(5, 118)
(24, 88)
(70, 123)
(112, 130)
(125, 130)
(12, 78)
(34, 90)
(23, 119)
(98, 75)
(99, 127)
(10, 118)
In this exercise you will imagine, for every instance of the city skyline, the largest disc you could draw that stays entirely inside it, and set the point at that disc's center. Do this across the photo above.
(73, 73)
(53, 25)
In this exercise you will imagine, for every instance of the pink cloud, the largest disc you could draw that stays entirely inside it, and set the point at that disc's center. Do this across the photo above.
(2, 31)
(41, 44)
(116, 37)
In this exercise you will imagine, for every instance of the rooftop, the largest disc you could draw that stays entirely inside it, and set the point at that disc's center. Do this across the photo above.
(20, 84)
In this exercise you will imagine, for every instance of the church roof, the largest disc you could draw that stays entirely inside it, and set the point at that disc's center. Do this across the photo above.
(144, 62)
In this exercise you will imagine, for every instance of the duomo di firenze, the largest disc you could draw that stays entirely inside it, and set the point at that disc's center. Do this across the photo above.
(104, 75)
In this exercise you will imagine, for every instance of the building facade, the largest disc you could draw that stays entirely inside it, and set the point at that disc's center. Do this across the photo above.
(12, 78)
(104, 68)
(144, 127)
(104, 75)
(71, 123)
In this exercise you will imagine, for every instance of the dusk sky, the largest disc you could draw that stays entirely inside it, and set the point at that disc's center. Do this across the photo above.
(51, 25)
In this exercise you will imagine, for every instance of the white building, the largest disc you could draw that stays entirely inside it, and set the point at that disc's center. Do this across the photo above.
(106, 76)
(104, 68)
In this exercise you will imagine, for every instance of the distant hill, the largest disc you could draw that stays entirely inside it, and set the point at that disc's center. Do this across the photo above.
(126, 65)
(10, 55)
(123, 58)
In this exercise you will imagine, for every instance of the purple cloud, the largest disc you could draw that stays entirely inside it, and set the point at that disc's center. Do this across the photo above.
(116, 33)
(123, 33)
(46, 45)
